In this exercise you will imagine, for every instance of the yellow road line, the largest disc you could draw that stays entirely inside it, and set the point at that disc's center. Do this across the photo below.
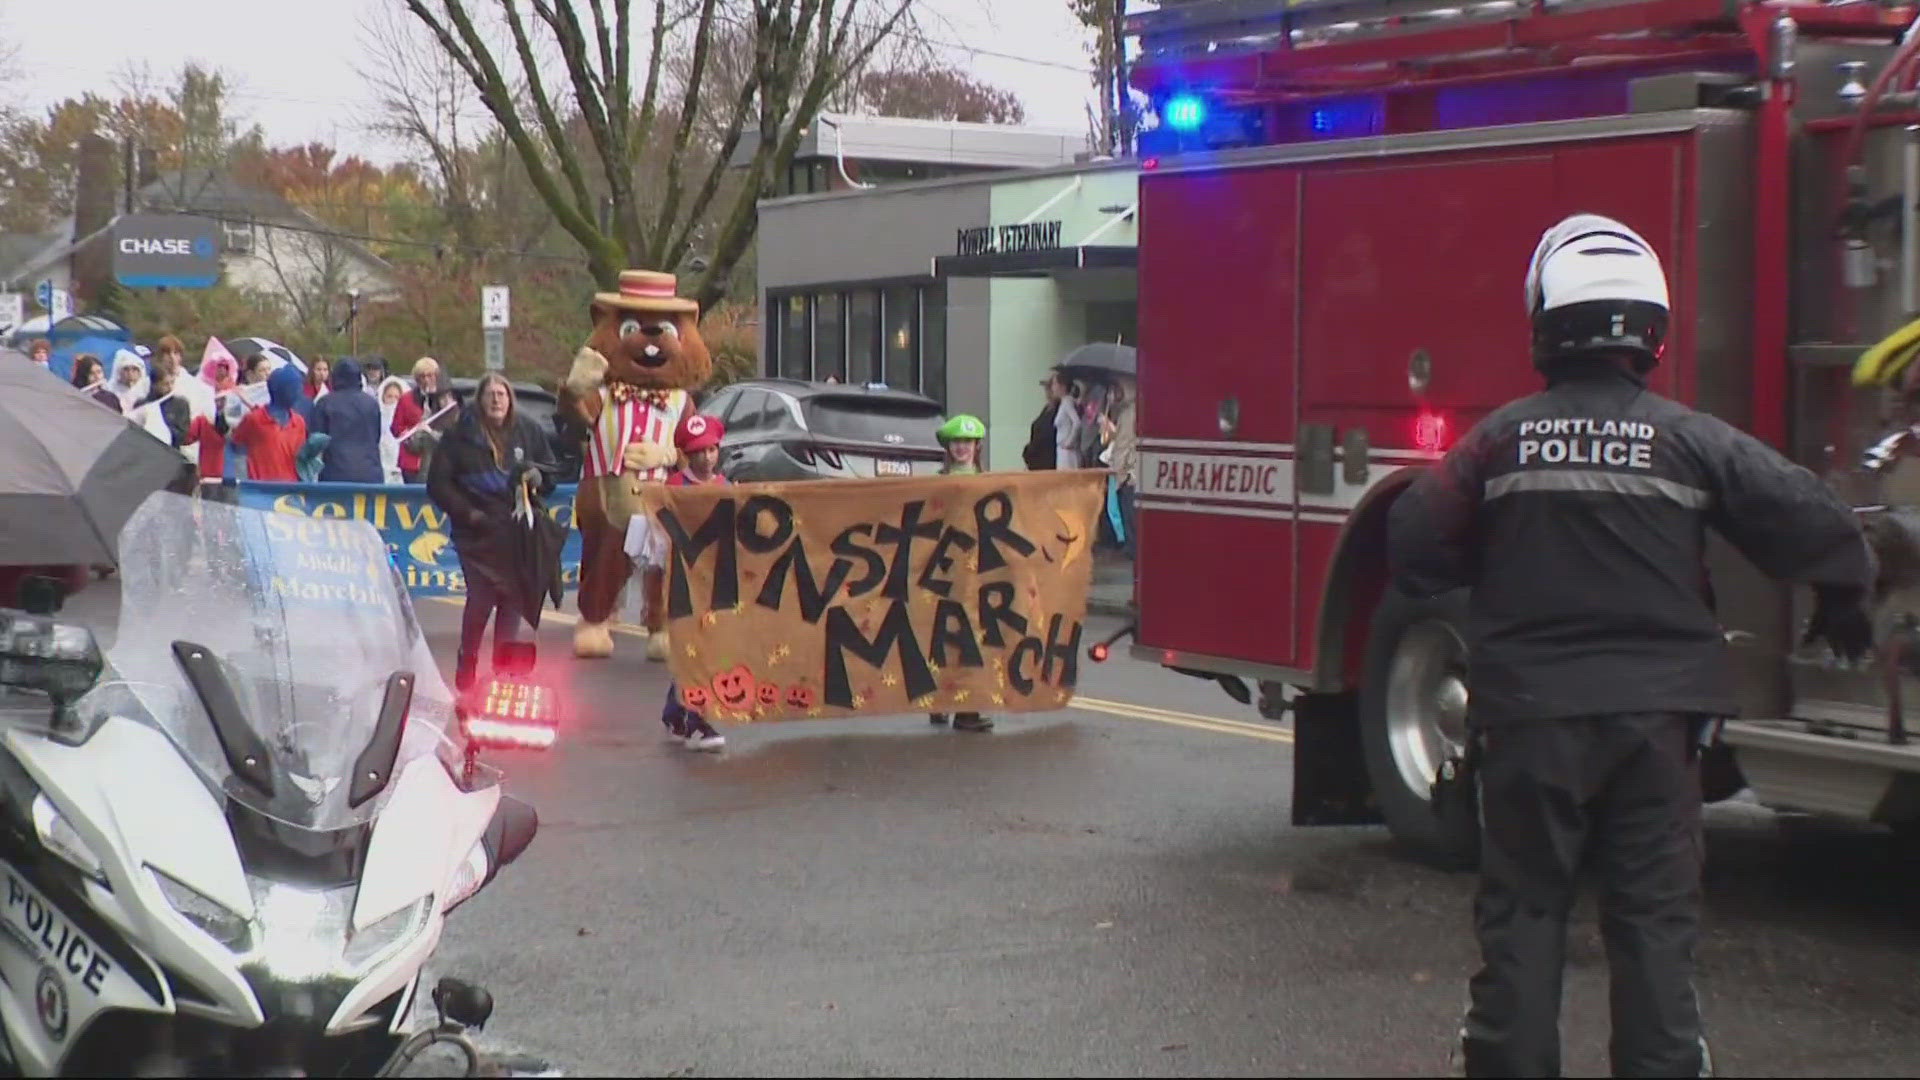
(1187, 720)
(1101, 705)
(1219, 725)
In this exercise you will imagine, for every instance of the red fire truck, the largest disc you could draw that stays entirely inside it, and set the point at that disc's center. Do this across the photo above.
(1335, 216)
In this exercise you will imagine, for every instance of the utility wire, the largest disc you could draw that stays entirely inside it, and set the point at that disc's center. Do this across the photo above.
(368, 238)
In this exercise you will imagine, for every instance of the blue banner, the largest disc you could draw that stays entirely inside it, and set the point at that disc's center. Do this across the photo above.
(414, 529)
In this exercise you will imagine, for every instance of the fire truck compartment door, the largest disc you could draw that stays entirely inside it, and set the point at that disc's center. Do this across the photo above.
(1219, 266)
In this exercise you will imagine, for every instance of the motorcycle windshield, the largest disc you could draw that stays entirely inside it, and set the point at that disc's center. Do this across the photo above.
(307, 619)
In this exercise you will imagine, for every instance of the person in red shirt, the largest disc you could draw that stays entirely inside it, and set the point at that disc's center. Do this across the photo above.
(273, 434)
(425, 399)
(698, 440)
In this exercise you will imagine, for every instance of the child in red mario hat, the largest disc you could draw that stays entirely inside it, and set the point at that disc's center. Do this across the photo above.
(698, 440)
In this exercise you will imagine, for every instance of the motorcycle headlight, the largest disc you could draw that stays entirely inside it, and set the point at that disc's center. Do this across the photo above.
(468, 879)
(211, 917)
(60, 837)
(388, 934)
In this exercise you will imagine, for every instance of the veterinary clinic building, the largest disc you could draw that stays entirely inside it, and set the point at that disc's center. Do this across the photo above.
(966, 288)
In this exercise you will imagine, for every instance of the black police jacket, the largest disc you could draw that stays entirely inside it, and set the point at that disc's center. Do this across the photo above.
(1577, 516)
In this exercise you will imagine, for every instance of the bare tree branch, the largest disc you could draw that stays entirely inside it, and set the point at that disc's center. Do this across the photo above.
(689, 109)
(543, 105)
(649, 101)
(665, 161)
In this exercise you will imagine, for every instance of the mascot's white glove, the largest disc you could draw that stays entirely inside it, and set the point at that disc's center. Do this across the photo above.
(641, 456)
(588, 373)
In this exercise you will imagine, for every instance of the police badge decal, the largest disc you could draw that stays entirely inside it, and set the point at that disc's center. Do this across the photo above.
(51, 998)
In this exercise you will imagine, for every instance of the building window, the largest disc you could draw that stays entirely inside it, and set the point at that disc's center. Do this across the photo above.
(796, 337)
(932, 379)
(899, 342)
(863, 336)
(829, 337)
(237, 236)
(896, 334)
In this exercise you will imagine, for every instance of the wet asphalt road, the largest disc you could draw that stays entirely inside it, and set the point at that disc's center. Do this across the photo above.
(1082, 893)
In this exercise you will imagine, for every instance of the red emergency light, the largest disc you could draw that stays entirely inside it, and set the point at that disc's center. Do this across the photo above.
(512, 715)
(1430, 432)
(512, 710)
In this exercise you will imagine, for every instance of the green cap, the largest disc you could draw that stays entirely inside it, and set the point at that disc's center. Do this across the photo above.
(961, 427)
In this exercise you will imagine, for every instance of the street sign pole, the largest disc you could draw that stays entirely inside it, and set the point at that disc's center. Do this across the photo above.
(496, 349)
(495, 316)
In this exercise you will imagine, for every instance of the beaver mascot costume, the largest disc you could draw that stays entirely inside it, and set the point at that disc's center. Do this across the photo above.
(628, 387)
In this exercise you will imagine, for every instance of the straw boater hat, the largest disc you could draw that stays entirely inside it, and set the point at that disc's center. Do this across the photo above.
(645, 290)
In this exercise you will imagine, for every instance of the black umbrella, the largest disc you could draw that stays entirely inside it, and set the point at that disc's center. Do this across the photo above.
(1100, 359)
(533, 543)
(71, 472)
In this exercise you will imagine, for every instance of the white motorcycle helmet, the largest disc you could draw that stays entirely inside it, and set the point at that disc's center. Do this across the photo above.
(1596, 285)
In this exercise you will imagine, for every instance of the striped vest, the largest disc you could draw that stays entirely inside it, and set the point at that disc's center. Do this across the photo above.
(624, 422)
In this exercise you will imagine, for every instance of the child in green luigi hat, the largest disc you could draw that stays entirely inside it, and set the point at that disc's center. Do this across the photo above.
(960, 437)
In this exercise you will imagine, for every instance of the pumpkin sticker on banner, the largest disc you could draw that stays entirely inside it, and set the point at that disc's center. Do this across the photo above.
(875, 597)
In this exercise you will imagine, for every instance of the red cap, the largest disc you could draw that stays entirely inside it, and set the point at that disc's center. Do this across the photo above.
(697, 432)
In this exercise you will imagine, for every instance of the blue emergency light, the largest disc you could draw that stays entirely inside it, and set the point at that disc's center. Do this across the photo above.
(1184, 112)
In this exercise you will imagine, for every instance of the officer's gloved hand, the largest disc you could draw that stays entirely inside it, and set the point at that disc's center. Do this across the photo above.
(1840, 619)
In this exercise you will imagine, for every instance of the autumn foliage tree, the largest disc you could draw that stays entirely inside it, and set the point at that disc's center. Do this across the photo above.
(931, 91)
(186, 125)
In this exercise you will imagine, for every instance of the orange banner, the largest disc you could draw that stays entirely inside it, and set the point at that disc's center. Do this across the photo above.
(872, 597)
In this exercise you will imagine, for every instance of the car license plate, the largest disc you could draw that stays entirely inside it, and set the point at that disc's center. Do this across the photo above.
(892, 468)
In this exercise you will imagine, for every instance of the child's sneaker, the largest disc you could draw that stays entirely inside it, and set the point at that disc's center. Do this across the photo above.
(706, 741)
(938, 719)
(972, 722)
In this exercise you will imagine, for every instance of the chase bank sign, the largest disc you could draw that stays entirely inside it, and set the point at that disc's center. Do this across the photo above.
(167, 251)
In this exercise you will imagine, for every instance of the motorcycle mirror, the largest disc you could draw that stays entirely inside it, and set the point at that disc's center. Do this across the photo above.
(462, 1002)
(59, 660)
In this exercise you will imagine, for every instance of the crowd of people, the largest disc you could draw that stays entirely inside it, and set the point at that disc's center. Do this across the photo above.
(264, 417)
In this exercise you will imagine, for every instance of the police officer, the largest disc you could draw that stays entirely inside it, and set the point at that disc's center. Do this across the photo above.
(1577, 518)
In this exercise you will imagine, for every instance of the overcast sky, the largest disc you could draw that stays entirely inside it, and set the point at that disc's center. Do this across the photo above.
(295, 73)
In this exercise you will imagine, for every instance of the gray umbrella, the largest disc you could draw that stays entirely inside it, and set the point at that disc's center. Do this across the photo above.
(1101, 358)
(71, 472)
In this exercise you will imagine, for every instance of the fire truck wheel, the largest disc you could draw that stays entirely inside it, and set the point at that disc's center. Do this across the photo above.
(1413, 712)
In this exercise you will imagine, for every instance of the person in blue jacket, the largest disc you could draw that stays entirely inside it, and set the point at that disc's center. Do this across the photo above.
(353, 423)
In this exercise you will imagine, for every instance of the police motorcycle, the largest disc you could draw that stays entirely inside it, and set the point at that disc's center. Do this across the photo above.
(229, 845)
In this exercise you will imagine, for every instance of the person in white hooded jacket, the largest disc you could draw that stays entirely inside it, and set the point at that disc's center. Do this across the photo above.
(391, 389)
(128, 379)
